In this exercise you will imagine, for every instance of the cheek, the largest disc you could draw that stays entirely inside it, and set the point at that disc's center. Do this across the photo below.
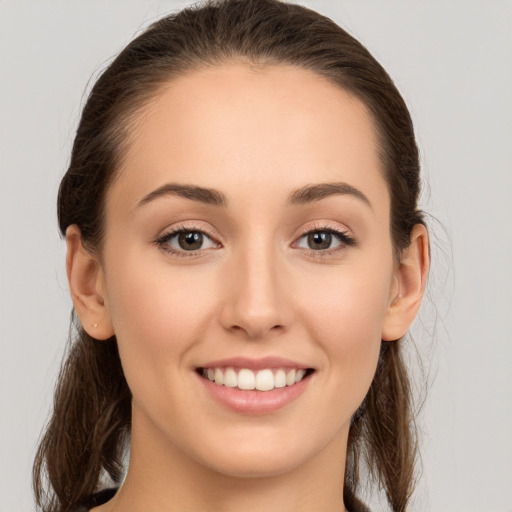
(157, 316)
(346, 321)
(351, 307)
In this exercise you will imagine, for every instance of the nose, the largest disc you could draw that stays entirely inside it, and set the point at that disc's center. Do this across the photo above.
(257, 301)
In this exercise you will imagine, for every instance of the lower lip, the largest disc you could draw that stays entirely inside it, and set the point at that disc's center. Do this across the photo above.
(253, 401)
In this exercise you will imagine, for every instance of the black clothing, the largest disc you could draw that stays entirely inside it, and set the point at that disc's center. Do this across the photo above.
(96, 500)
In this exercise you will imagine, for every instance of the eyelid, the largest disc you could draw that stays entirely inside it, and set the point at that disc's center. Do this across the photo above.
(326, 226)
(171, 231)
(343, 234)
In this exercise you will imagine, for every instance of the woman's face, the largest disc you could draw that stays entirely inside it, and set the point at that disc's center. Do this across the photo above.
(247, 238)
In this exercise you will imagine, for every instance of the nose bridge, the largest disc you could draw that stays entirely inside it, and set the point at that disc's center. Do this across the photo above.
(256, 301)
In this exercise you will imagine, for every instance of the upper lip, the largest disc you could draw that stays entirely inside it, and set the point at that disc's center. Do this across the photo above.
(255, 363)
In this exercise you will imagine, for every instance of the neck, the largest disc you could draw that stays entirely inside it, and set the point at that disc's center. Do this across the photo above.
(161, 477)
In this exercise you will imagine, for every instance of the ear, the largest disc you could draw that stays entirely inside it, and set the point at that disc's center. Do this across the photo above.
(411, 276)
(87, 286)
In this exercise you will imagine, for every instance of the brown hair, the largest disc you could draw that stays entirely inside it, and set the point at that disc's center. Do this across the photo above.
(92, 412)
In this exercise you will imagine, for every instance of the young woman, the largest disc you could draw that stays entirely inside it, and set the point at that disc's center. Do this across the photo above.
(245, 255)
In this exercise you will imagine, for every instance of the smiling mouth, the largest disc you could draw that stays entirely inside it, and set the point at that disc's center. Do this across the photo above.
(245, 379)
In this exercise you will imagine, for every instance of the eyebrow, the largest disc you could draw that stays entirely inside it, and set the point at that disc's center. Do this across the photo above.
(304, 195)
(193, 192)
(316, 192)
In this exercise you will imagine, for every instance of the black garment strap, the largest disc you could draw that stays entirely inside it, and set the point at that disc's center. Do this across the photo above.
(97, 499)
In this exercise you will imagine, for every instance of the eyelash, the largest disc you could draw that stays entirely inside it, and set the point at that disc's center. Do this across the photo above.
(163, 240)
(345, 239)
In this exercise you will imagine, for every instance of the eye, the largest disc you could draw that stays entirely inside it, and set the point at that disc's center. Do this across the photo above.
(324, 240)
(185, 240)
(320, 240)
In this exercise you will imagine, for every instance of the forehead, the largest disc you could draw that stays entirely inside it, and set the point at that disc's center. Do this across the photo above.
(274, 127)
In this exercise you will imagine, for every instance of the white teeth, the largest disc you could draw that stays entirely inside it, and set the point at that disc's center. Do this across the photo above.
(300, 375)
(290, 377)
(230, 379)
(280, 379)
(246, 379)
(263, 380)
(219, 376)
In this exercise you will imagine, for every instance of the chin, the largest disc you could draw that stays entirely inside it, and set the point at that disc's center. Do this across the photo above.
(263, 464)
(277, 453)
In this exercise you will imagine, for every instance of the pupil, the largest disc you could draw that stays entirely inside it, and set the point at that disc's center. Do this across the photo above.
(190, 240)
(319, 240)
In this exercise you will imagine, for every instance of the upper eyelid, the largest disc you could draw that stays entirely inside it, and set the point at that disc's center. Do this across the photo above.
(216, 238)
(162, 241)
(183, 227)
(328, 229)
(344, 234)
(326, 226)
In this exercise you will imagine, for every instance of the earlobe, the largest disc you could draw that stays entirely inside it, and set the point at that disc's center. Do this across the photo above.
(87, 286)
(411, 275)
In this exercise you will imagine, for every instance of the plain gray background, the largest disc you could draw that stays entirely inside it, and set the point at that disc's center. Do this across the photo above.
(452, 61)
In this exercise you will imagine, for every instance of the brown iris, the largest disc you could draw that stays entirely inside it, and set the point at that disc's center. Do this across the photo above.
(190, 240)
(319, 240)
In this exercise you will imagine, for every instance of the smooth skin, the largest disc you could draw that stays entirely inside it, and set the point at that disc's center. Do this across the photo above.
(256, 285)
